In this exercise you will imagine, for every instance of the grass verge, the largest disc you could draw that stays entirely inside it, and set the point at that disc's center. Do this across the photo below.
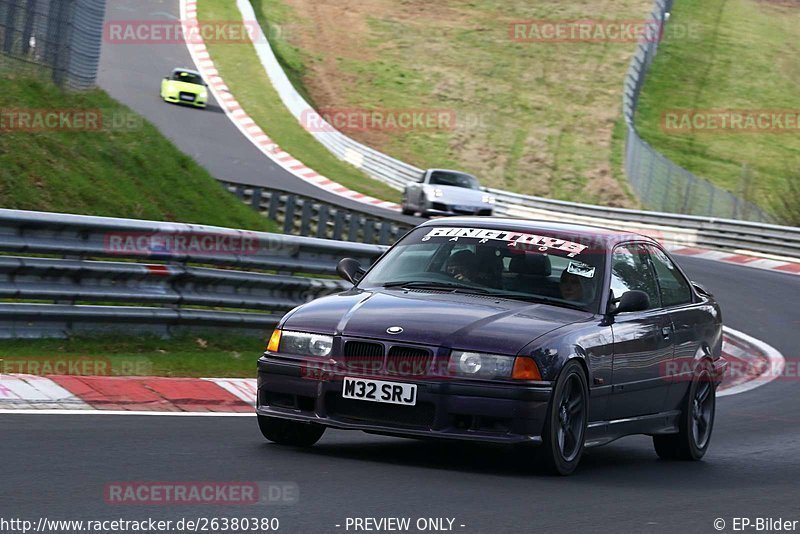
(218, 356)
(125, 168)
(737, 54)
(243, 73)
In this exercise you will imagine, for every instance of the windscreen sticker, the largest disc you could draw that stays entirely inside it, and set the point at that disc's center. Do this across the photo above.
(580, 269)
(514, 239)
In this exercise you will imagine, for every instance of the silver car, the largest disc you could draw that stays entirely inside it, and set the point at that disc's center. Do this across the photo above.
(445, 192)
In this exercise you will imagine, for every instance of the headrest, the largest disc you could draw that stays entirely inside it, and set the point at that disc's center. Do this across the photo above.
(462, 257)
(530, 265)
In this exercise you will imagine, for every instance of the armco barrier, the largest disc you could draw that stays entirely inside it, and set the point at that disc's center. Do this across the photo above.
(64, 274)
(672, 228)
(300, 215)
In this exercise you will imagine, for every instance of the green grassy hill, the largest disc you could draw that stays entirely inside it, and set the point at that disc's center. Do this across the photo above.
(738, 54)
(125, 169)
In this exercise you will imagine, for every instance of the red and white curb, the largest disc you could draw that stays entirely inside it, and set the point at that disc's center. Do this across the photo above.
(127, 395)
(744, 259)
(756, 365)
(251, 130)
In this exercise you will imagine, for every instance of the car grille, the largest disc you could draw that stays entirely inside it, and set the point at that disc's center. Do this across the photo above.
(421, 415)
(408, 361)
(370, 358)
(363, 357)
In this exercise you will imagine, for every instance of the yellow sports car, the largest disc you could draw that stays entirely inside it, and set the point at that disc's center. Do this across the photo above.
(185, 86)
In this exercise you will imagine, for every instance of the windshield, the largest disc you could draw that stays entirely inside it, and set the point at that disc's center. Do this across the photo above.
(515, 265)
(187, 77)
(455, 179)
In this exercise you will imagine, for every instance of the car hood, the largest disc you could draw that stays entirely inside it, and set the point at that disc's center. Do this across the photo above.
(440, 319)
(453, 194)
(185, 87)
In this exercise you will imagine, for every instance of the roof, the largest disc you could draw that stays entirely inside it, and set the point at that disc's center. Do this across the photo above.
(610, 235)
(188, 71)
(450, 170)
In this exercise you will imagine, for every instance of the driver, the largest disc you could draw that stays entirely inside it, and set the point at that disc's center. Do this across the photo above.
(462, 265)
(571, 287)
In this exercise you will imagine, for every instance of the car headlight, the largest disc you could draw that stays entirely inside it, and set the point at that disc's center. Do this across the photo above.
(480, 365)
(203, 96)
(490, 366)
(300, 343)
(488, 199)
(437, 193)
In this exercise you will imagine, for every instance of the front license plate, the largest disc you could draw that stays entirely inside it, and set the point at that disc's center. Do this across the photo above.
(188, 98)
(380, 391)
(464, 208)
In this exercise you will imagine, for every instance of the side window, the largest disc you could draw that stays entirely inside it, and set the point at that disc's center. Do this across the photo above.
(630, 269)
(675, 288)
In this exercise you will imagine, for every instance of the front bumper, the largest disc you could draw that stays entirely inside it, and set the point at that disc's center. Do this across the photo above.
(175, 99)
(720, 367)
(446, 408)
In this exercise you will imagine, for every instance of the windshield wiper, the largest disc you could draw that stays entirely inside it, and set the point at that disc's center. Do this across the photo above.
(421, 284)
(540, 300)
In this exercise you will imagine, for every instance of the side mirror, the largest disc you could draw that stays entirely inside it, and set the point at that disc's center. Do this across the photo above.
(631, 301)
(350, 270)
(702, 290)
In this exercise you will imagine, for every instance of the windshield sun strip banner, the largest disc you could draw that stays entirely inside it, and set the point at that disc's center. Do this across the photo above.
(514, 239)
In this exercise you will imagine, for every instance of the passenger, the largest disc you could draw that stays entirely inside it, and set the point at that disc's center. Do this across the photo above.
(571, 287)
(462, 265)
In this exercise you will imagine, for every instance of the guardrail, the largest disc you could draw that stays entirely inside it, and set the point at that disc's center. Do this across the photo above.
(66, 274)
(671, 228)
(306, 216)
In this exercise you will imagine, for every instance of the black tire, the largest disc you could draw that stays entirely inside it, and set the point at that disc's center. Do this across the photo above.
(405, 209)
(696, 420)
(285, 432)
(565, 427)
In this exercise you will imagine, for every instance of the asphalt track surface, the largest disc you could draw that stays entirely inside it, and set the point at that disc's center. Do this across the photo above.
(57, 466)
(132, 73)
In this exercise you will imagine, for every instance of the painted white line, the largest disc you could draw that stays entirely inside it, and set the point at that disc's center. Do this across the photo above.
(775, 368)
(125, 412)
(36, 391)
(244, 388)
